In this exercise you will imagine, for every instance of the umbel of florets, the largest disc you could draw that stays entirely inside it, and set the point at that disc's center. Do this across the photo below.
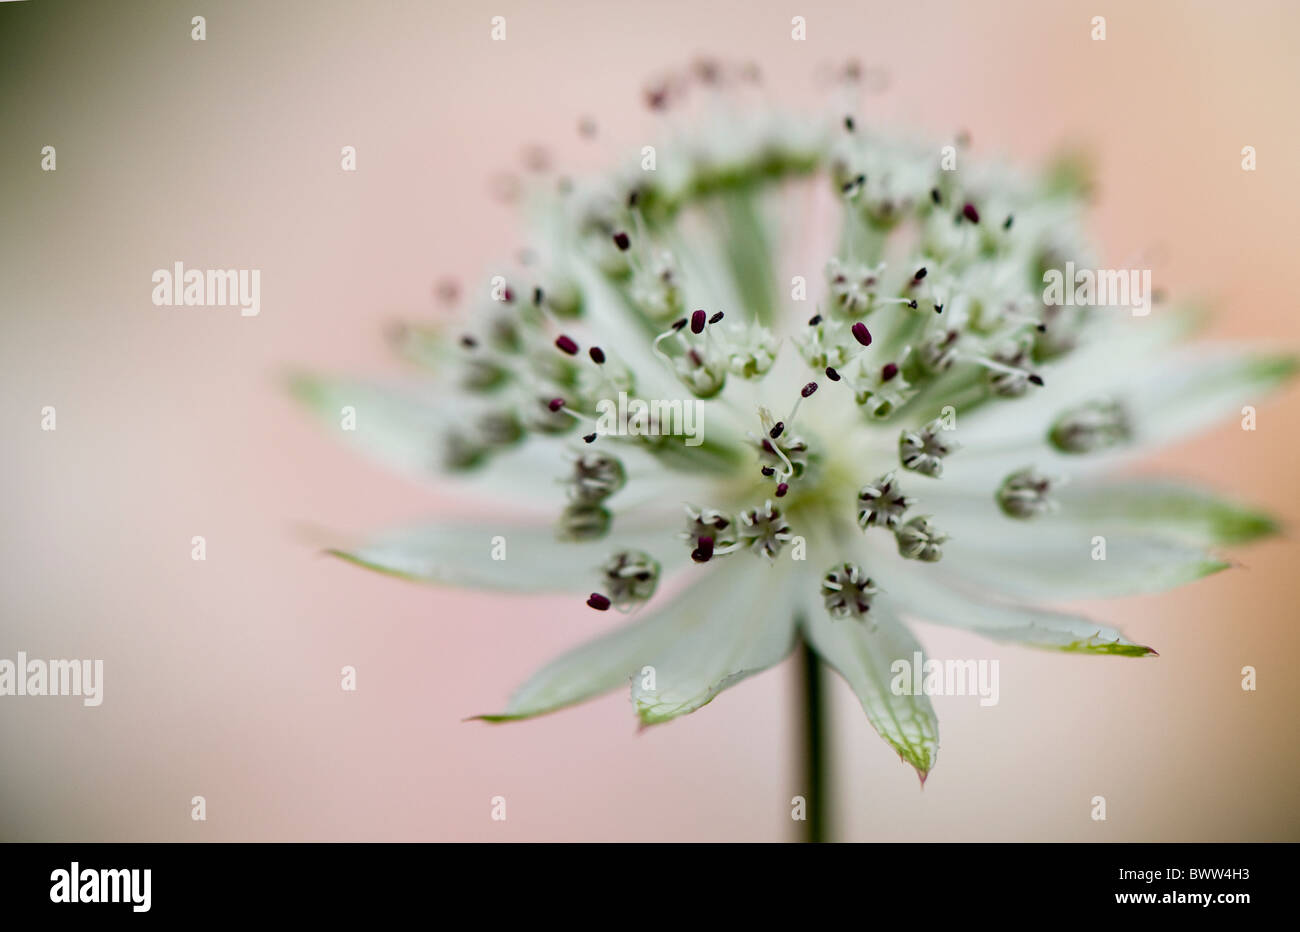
(834, 365)
(941, 263)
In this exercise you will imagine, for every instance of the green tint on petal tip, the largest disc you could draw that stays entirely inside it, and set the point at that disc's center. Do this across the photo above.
(862, 653)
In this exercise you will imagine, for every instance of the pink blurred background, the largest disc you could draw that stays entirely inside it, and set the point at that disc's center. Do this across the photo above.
(222, 677)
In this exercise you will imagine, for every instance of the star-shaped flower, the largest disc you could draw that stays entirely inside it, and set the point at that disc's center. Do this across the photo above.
(941, 448)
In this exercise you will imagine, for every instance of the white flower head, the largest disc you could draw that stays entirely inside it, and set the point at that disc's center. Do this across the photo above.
(930, 375)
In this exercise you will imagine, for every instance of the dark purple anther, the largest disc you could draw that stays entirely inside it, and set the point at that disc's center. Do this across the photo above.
(814, 320)
(920, 274)
(970, 213)
(590, 438)
(782, 489)
(715, 318)
(703, 552)
(1036, 379)
(808, 389)
(599, 602)
(888, 372)
(597, 355)
(566, 345)
(861, 333)
(555, 404)
(698, 319)
(832, 374)
(777, 430)
(622, 241)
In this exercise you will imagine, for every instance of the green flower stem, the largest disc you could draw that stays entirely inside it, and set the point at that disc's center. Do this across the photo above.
(816, 773)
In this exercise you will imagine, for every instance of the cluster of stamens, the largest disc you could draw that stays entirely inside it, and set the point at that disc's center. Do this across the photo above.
(895, 331)
(847, 592)
(629, 578)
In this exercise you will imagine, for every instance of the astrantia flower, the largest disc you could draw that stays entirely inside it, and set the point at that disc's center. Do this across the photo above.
(858, 411)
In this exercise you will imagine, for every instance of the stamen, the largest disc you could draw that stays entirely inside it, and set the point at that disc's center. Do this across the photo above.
(709, 532)
(1018, 317)
(918, 539)
(673, 331)
(1008, 380)
(882, 503)
(631, 577)
(599, 602)
(806, 392)
(774, 449)
(1024, 494)
(558, 405)
(566, 345)
(923, 450)
(596, 476)
(1097, 425)
(764, 531)
(583, 521)
(847, 592)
